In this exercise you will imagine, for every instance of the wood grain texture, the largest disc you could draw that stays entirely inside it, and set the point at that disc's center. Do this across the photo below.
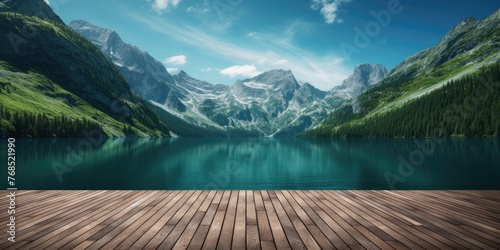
(246, 219)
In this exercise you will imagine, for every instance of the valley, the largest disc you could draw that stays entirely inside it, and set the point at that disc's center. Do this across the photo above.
(96, 77)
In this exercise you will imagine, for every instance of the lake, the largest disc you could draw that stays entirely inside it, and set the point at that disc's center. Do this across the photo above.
(255, 163)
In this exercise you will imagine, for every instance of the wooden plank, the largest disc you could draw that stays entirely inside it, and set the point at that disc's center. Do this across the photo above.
(191, 214)
(112, 207)
(407, 210)
(202, 231)
(412, 239)
(159, 227)
(193, 225)
(61, 217)
(251, 212)
(239, 232)
(226, 234)
(290, 231)
(336, 227)
(150, 210)
(174, 222)
(120, 223)
(73, 223)
(342, 219)
(141, 233)
(215, 228)
(252, 230)
(320, 223)
(306, 237)
(279, 237)
(253, 240)
(237, 219)
(104, 213)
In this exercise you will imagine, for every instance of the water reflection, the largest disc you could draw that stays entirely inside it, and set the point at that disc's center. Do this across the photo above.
(261, 163)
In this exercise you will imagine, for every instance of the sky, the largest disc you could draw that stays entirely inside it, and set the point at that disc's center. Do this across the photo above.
(321, 41)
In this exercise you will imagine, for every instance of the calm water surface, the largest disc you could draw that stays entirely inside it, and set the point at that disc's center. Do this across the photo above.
(260, 163)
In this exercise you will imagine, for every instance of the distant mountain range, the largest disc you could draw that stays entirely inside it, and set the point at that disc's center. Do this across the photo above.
(270, 104)
(87, 75)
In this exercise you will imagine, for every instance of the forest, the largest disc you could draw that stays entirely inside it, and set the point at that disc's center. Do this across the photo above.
(468, 107)
(24, 124)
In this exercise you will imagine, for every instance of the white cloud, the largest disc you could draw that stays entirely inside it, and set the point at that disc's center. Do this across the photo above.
(163, 5)
(47, 2)
(240, 70)
(324, 71)
(329, 9)
(173, 70)
(280, 62)
(176, 60)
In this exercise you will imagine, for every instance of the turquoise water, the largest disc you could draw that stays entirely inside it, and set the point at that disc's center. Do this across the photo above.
(258, 163)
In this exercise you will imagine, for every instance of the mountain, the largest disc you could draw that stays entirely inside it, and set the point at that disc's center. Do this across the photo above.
(465, 52)
(146, 76)
(469, 42)
(272, 103)
(34, 8)
(50, 73)
(364, 76)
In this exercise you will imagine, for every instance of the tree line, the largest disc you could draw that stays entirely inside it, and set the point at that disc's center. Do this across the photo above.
(25, 124)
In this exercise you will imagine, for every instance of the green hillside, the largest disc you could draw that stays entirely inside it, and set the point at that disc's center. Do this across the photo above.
(48, 70)
(466, 49)
(469, 107)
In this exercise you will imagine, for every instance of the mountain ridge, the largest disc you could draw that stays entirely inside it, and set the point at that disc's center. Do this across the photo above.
(68, 75)
(467, 48)
(271, 103)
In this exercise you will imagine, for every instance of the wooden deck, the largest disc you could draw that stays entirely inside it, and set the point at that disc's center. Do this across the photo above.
(254, 220)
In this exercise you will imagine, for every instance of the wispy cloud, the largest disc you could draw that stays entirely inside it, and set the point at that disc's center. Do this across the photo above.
(198, 10)
(240, 70)
(173, 70)
(162, 5)
(281, 62)
(324, 71)
(176, 60)
(329, 9)
(209, 69)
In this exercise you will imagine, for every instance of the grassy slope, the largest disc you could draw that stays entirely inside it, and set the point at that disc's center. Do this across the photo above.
(425, 107)
(35, 92)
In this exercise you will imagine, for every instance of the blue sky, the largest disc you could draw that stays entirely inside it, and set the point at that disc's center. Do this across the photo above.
(321, 41)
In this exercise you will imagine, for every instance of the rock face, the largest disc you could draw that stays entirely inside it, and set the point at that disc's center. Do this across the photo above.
(364, 76)
(272, 103)
(146, 76)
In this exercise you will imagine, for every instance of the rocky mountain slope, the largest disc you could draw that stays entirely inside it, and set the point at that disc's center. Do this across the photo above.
(146, 76)
(364, 76)
(467, 48)
(270, 104)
